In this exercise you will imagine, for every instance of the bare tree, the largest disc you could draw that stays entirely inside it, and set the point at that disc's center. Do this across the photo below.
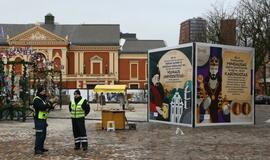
(253, 18)
(214, 17)
(253, 24)
(253, 28)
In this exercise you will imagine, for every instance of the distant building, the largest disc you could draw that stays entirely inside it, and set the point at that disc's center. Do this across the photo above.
(86, 54)
(193, 30)
(228, 31)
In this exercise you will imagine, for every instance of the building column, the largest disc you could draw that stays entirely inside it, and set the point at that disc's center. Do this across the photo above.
(111, 61)
(112, 82)
(84, 84)
(50, 52)
(77, 84)
(81, 61)
(64, 61)
(116, 71)
(76, 54)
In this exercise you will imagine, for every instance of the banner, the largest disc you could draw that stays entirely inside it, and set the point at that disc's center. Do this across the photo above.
(224, 85)
(236, 75)
(170, 79)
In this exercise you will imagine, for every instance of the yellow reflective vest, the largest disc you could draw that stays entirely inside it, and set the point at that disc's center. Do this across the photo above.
(76, 110)
(41, 114)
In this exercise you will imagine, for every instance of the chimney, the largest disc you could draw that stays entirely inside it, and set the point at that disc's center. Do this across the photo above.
(228, 31)
(128, 36)
(49, 19)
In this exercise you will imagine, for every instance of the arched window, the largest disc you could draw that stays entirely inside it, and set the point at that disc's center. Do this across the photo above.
(57, 64)
(18, 67)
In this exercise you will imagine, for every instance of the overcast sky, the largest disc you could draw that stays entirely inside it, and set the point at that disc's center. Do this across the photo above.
(149, 19)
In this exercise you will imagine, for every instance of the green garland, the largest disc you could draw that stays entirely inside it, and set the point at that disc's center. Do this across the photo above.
(2, 82)
(24, 83)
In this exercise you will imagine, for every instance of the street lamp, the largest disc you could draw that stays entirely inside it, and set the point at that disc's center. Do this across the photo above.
(266, 60)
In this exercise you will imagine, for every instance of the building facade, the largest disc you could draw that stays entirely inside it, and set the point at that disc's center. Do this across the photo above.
(133, 62)
(193, 30)
(228, 31)
(87, 54)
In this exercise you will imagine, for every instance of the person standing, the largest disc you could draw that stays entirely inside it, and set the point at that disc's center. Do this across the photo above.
(79, 108)
(42, 108)
(122, 100)
(102, 100)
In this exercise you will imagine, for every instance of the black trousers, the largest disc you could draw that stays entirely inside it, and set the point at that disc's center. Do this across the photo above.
(41, 131)
(79, 132)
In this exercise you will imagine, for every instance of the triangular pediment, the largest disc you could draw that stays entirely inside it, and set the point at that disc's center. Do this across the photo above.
(37, 36)
(96, 58)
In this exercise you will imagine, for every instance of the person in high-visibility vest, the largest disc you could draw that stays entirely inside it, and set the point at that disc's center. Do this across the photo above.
(79, 108)
(41, 107)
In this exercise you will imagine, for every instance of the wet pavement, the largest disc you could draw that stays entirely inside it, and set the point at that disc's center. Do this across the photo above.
(149, 141)
(133, 112)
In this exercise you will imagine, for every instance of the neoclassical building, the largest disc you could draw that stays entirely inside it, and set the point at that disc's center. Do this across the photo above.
(87, 54)
(133, 61)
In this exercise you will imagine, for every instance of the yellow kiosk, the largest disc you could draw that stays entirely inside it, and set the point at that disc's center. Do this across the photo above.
(117, 116)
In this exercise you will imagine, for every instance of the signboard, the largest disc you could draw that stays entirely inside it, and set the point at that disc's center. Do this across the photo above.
(170, 85)
(200, 84)
(224, 85)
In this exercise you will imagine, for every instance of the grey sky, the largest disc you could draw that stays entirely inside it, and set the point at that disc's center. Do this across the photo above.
(150, 19)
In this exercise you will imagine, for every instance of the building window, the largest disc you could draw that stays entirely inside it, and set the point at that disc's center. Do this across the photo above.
(134, 70)
(96, 65)
(133, 85)
(57, 64)
(18, 67)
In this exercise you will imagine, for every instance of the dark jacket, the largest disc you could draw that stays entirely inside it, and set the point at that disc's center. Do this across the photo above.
(39, 105)
(85, 105)
(102, 100)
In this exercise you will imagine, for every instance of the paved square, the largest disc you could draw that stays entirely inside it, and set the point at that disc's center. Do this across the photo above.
(149, 141)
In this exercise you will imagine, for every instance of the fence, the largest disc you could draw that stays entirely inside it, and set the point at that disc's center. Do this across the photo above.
(134, 95)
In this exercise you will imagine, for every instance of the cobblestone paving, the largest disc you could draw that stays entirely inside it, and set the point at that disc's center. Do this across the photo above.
(149, 141)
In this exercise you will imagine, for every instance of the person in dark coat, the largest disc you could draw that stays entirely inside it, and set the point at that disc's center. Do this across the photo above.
(79, 108)
(102, 100)
(42, 108)
(121, 98)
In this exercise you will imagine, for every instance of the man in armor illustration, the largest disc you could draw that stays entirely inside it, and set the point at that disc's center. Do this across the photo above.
(210, 91)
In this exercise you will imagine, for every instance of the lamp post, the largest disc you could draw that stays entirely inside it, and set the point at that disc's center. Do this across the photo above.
(266, 60)
(61, 86)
